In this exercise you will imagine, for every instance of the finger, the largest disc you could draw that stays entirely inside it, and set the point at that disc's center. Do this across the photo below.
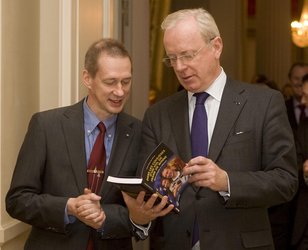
(84, 211)
(98, 222)
(89, 200)
(140, 197)
(201, 177)
(94, 197)
(88, 204)
(165, 211)
(189, 170)
(139, 200)
(150, 202)
(100, 217)
(82, 205)
(130, 201)
(199, 160)
(93, 216)
(91, 211)
(87, 191)
(89, 196)
(161, 205)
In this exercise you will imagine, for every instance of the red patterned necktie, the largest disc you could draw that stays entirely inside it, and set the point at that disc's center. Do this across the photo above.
(96, 169)
(97, 161)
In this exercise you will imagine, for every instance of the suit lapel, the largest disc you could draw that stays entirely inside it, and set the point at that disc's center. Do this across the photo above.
(73, 127)
(123, 136)
(232, 103)
(178, 112)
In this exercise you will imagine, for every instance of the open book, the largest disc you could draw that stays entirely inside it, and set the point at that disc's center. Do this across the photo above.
(161, 174)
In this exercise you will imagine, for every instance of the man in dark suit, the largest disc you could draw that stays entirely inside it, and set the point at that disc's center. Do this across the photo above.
(300, 228)
(282, 216)
(251, 163)
(294, 106)
(49, 188)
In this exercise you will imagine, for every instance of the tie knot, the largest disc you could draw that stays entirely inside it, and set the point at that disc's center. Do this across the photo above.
(101, 127)
(201, 97)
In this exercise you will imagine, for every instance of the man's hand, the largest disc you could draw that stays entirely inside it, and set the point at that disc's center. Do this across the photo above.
(205, 173)
(142, 212)
(87, 209)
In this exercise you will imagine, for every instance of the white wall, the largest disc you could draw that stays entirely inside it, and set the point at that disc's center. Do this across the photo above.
(19, 88)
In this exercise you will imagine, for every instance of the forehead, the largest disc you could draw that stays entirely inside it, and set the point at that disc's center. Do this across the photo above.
(184, 35)
(114, 64)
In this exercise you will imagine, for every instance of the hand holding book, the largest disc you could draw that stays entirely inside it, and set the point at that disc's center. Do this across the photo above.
(141, 212)
(162, 174)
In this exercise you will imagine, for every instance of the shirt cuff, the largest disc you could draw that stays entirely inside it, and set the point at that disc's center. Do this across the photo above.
(68, 219)
(226, 194)
(143, 229)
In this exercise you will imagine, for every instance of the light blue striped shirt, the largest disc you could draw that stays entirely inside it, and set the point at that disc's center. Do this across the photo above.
(91, 131)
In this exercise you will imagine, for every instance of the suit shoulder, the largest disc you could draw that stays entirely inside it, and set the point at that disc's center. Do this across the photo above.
(129, 119)
(180, 96)
(57, 112)
(255, 90)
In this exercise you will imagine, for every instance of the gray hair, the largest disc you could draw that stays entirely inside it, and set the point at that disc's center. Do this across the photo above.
(204, 19)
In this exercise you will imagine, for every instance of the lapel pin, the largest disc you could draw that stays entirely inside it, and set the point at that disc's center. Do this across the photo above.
(237, 103)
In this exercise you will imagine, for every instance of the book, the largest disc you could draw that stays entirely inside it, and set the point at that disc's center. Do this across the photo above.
(162, 174)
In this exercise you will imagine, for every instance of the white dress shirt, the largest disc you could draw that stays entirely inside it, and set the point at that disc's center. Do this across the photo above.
(212, 103)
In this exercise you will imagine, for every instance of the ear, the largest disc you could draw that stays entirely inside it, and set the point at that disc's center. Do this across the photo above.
(86, 79)
(218, 46)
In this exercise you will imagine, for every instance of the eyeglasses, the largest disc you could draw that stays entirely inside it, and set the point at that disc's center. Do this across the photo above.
(185, 58)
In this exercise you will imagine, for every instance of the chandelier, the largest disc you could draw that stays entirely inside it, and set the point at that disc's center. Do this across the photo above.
(300, 29)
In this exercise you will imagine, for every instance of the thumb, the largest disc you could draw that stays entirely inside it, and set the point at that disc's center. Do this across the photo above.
(87, 191)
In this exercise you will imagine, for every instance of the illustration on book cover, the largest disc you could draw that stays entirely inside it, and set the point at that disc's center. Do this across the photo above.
(163, 173)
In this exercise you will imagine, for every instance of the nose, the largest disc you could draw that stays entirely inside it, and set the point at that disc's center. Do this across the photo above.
(179, 65)
(119, 89)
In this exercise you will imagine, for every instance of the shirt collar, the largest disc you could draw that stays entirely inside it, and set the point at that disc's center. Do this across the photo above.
(216, 88)
(91, 121)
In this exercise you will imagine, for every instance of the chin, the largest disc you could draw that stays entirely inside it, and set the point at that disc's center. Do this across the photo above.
(192, 87)
(116, 110)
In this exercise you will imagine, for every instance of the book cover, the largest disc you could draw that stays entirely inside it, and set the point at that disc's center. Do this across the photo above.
(161, 174)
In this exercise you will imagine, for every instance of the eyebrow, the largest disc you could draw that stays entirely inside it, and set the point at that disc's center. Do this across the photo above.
(181, 53)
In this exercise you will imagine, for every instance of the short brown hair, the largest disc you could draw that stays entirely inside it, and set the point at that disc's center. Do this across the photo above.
(294, 65)
(109, 46)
